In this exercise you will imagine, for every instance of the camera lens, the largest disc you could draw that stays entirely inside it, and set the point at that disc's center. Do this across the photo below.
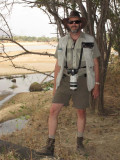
(73, 82)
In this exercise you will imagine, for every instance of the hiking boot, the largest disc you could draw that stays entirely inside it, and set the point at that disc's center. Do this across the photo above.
(80, 146)
(48, 150)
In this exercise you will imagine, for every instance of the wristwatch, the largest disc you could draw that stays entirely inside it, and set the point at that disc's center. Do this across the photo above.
(98, 83)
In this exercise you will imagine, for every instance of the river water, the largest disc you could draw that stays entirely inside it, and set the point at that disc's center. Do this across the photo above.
(28, 47)
(12, 125)
(22, 84)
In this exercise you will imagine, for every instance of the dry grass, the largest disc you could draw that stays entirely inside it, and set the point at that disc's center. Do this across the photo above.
(101, 134)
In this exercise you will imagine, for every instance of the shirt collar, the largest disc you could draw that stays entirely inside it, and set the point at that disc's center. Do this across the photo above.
(82, 35)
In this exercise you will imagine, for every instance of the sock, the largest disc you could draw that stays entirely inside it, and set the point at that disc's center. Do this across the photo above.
(79, 134)
(52, 137)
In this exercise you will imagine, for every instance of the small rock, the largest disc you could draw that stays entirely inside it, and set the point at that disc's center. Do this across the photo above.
(14, 80)
(35, 87)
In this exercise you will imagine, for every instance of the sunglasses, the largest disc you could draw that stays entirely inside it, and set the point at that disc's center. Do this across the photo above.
(76, 22)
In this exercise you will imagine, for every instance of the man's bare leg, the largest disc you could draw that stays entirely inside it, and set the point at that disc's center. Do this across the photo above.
(53, 118)
(52, 126)
(81, 121)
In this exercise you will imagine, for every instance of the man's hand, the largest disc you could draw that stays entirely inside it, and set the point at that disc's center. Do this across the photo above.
(96, 91)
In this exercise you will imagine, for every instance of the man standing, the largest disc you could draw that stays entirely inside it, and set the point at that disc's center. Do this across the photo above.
(76, 75)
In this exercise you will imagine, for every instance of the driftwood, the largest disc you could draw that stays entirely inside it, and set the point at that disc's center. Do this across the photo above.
(20, 151)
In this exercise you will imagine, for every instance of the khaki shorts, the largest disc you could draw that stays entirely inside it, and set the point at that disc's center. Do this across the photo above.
(80, 97)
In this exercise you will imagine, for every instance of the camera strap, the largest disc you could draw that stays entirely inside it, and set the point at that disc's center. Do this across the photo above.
(66, 66)
(81, 53)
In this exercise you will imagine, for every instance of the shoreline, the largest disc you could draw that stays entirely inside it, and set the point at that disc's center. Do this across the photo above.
(22, 73)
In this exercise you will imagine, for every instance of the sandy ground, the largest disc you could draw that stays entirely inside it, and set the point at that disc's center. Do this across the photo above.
(36, 62)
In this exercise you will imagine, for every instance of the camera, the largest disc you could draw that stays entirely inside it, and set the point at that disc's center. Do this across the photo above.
(73, 72)
(73, 78)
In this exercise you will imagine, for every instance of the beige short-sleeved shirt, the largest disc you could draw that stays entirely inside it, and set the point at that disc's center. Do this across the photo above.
(73, 54)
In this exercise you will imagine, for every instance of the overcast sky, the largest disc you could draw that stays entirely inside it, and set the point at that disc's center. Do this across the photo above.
(27, 21)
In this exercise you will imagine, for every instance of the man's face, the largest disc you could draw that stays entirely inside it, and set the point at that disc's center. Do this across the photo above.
(74, 24)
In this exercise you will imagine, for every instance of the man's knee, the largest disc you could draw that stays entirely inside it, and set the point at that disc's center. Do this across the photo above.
(81, 113)
(55, 109)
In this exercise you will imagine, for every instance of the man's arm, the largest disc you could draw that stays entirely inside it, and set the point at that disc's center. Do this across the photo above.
(95, 91)
(57, 69)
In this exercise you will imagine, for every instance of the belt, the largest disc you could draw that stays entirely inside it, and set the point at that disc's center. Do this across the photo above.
(85, 75)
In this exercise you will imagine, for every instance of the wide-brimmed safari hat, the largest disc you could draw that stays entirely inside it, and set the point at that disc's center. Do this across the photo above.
(74, 14)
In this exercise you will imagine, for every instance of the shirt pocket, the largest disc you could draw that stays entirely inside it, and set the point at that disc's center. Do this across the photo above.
(88, 56)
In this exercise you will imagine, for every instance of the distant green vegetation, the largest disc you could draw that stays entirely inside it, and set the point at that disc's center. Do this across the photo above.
(35, 39)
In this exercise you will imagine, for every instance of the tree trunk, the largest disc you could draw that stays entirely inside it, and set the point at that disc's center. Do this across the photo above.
(100, 105)
(97, 105)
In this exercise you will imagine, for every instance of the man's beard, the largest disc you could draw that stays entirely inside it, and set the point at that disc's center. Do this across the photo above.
(75, 30)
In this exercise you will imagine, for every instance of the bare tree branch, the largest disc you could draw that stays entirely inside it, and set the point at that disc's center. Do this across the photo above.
(22, 67)
(26, 51)
(47, 77)
(29, 52)
(34, 70)
(5, 32)
(7, 25)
